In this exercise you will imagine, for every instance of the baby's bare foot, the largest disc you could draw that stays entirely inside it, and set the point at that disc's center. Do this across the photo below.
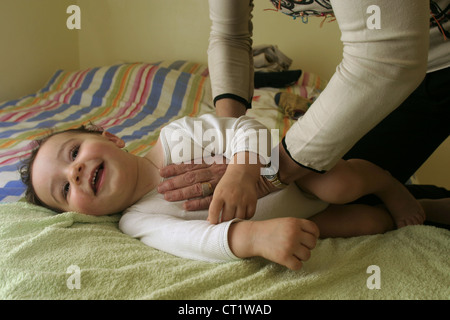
(404, 208)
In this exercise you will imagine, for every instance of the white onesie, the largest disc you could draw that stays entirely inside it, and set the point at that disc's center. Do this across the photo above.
(168, 227)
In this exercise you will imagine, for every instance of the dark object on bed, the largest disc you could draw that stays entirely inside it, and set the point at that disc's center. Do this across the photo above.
(280, 79)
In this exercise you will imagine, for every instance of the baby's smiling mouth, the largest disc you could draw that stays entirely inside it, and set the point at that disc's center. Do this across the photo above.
(95, 180)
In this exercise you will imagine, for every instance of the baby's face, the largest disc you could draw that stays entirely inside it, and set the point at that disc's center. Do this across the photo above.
(86, 173)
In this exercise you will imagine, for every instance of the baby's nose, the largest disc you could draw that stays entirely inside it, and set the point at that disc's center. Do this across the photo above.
(76, 173)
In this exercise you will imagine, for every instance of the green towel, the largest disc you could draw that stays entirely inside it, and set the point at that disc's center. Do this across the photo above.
(72, 256)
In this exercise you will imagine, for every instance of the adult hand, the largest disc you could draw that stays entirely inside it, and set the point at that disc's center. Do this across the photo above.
(186, 180)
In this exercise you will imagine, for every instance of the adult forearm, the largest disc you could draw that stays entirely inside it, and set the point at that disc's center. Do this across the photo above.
(230, 108)
(230, 56)
(380, 68)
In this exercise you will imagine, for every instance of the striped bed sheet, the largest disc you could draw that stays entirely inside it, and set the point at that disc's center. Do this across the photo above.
(132, 100)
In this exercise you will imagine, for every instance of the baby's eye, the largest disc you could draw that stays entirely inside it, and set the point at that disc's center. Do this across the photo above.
(65, 190)
(74, 152)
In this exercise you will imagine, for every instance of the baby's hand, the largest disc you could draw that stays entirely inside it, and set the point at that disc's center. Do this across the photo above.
(236, 193)
(286, 241)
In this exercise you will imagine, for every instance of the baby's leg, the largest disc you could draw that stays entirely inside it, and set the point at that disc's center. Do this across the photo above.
(352, 220)
(403, 207)
(352, 179)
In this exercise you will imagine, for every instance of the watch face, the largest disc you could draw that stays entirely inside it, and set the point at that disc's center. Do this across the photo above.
(270, 176)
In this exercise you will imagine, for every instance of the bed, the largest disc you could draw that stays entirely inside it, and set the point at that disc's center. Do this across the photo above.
(44, 255)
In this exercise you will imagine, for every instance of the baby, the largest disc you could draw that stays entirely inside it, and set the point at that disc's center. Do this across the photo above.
(87, 171)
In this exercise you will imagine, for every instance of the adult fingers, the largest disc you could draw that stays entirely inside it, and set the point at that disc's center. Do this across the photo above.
(177, 169)
(190, 192)
(197, 204)
(187, 180)
(173, 170)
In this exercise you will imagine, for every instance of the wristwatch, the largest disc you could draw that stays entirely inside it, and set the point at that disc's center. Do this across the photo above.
(275, 181)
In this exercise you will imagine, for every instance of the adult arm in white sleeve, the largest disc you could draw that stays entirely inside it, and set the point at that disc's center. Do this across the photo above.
(379, 70)
(230, 55)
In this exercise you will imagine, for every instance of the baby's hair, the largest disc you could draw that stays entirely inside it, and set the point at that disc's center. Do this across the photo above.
(27, 164)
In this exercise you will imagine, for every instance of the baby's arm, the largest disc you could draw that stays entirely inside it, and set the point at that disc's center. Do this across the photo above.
(190, 239)
(236, 193)
(286, 241)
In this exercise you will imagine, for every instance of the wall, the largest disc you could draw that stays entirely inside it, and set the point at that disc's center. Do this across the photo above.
(35, 42)
(436, 169)
(310, 46)
(142, 30)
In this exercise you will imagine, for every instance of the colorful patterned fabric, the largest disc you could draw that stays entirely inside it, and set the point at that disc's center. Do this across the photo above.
(303, 8)
(132, 100)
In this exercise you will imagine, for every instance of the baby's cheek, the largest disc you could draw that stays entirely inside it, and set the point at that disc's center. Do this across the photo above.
(93, 208)
(83, 204)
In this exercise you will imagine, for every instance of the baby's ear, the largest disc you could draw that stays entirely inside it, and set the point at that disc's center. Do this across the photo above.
(113, 138)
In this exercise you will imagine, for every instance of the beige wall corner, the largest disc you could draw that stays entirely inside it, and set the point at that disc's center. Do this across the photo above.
(35, 43)
(436, 170)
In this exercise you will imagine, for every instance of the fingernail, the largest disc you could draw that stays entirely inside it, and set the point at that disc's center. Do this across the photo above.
(168, 197)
